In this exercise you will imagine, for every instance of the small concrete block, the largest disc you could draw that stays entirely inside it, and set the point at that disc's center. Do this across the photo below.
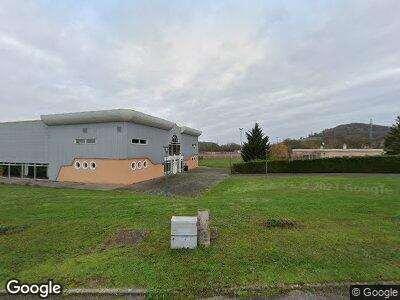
(203, 228)
(183, 242)
(184, 226)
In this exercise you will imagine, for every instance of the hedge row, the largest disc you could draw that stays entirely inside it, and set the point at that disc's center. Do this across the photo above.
(368, 164)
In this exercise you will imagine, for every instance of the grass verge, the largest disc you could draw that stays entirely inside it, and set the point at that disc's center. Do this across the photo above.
(349, 232)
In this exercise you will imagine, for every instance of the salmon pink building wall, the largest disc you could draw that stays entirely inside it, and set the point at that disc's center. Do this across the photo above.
(111, 171)
(193, 162)
(115, 171)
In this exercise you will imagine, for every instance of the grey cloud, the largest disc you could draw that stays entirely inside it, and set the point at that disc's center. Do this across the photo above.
(295, 67)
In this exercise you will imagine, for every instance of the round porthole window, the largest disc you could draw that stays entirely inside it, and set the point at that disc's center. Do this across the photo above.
(85, 165)
(77, 165)
(144, 164)
(133, 165)
(92, 165)
(139, 165)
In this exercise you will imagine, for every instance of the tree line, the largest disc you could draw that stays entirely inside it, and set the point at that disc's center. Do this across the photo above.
(257, 145)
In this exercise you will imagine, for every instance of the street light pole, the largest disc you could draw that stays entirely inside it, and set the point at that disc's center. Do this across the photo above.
(241, 142)
(166, 149)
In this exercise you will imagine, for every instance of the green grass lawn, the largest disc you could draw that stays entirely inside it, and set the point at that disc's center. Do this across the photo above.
(349, 231)
(218, 162)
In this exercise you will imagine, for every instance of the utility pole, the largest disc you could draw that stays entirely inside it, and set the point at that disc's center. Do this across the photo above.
(241, 142)
(370, 132)
(166, 150)
(334, 138)
(230, 161)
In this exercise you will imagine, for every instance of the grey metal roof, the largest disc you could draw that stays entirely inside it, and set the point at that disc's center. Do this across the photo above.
(105, 116)
(190, 131)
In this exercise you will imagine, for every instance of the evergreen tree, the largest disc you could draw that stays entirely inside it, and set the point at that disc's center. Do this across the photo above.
(392, 140)
(257, 145)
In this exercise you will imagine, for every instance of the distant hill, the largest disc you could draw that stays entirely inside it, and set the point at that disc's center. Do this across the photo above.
(354, 135)
(208, 146)
(214, 147)
(360, 130)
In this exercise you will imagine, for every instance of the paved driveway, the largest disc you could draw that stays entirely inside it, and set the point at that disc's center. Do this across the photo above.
(190, 184)
(56, 184)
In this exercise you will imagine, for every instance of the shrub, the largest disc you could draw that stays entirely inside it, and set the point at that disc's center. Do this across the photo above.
(369, 164)
(11, 229)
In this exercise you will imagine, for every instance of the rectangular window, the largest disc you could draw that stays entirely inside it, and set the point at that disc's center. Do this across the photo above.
(174, 149)
(119, 129)
(84, 130)
(85, 141)
(80, 141)
(139, 141)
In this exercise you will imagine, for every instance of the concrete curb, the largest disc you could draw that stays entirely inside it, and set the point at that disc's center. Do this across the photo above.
(135, 292)
(315, 174)
(308, 285)
(143, 292)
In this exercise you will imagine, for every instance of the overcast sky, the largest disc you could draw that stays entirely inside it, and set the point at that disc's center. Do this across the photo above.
(293, 66)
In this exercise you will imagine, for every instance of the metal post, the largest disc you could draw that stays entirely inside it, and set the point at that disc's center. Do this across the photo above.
(166, 149)
(266, 161)
(370, 133)
(9, 171)
(165, 180)
(241, 142)
(34, 171)
(230, 161)
(22, 171)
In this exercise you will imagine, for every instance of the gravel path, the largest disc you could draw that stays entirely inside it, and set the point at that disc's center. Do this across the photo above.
(56, 184)
(189, 184)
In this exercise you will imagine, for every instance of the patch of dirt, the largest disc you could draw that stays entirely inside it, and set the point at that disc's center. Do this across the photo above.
(213, 233)
(6, 230)
(127, 237)
(279, 223)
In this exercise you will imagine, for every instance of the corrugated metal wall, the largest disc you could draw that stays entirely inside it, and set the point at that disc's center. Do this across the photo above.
(35, 142)
(109, 143)
(157, 138)
(187, 149)
(24, 142)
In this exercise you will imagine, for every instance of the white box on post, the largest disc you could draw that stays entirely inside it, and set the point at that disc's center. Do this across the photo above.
(183, 232)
